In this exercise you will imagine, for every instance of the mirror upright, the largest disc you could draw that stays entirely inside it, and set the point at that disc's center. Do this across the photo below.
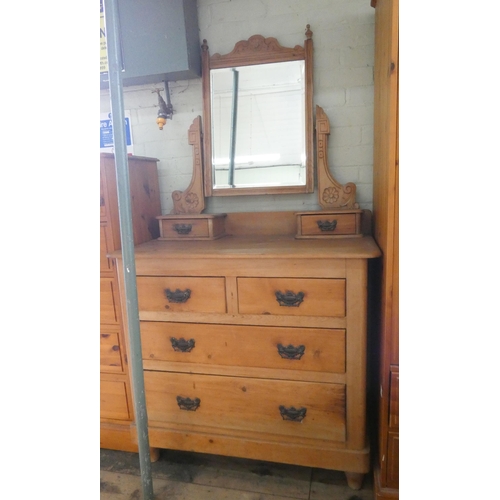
(258, 118)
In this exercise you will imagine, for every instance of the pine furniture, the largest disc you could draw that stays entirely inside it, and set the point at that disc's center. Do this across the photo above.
(116, 408)
(254, 344)
(386, 233)
(254, 325)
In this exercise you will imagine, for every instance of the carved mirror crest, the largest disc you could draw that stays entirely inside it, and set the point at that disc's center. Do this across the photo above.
(192, 201)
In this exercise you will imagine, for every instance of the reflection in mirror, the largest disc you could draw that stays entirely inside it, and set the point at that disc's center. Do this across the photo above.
(258, 118)
(258, 132)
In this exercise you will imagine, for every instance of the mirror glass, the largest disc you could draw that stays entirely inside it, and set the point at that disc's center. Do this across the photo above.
(258, 125)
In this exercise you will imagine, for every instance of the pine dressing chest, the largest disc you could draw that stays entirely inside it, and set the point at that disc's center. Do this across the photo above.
(253, 325)
(254, 344)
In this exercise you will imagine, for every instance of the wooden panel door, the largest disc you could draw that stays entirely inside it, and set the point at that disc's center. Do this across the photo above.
(386, 232)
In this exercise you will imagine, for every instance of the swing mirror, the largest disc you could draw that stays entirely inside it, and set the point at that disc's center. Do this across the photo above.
(258, 123)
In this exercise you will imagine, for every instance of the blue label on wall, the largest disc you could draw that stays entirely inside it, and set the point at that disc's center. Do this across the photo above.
(107, 141)
(107, 132)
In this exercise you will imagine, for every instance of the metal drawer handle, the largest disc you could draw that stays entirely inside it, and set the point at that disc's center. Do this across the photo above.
(188, 403)
(327, 225)
(183, 228)
(292, 413)
(179, 296)
(182, 344)
(291, 352)
(290, 299)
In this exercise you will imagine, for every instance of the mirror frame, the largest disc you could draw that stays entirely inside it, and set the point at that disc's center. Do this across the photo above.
(258, 50)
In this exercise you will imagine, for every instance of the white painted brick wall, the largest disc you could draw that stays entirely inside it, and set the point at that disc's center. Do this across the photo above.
(343, 38)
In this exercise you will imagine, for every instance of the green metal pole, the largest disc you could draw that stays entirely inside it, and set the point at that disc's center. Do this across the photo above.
(127, 240)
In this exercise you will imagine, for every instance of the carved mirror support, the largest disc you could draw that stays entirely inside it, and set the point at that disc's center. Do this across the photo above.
(340, 215)
(331, 194)
(186, 220)
(192, 200)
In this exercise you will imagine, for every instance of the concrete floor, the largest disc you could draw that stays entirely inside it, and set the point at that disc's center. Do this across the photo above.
(193, 476)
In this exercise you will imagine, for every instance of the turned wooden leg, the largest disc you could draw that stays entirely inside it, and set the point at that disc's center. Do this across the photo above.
(154, 454)
(354, 480)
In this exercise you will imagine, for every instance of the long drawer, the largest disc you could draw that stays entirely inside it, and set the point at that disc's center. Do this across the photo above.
(309, 349)
(181, 294)
(292, 409)
(292, 296)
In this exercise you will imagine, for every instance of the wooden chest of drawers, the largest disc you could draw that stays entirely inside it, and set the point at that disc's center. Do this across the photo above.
(254, 346)
(116, 409)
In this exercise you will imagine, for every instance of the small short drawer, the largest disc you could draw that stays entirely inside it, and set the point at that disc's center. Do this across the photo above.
(292, 296)
(393, 459)
(394, 398)
(106, 247)
(329, 224)
(103, 199)
(114, 403)
(111, 361)
(279, 407)
(302, 349)
(180, 294)
(194, 227)
(109, 305)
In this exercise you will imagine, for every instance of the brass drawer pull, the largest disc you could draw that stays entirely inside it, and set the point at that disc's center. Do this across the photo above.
(179, 296)
(183, 228)
(327, 225)
(289, 299)
(292, 413)
(291, 352)
(182, 344)
(188, 403)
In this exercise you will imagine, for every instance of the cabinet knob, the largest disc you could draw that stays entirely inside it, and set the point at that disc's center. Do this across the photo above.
(327, 225)
(182, 344)
(291, 352)
(289, 299)
(292, 413)
(188, 403)
(183, 228)
(178, 296)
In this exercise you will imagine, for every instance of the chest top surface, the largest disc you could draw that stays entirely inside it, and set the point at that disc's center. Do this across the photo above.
(261, 247)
